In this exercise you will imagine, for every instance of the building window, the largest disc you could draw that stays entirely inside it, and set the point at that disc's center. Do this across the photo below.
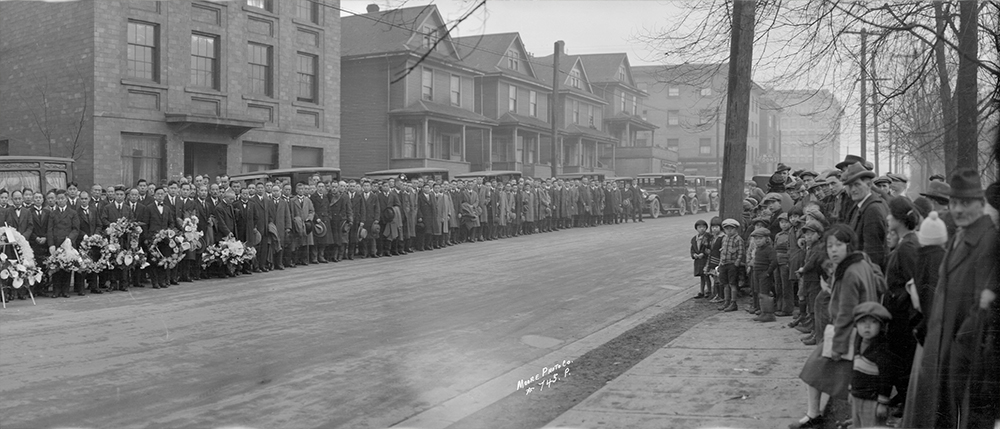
(673, 143)
(512, 98)
(307, 10)
(623, 102)
(143, 157)
(409, 142)
(533, 103)
(307, 156)
(635, 105)
(590, 115)
(673, 117)
(260, 69)
(261, 4)
(428, 36)
(307, 78)
(704, 146)
(456, 90)
(205, 61)
(513, 60)
(574, 78)
(143, 52)
(427, 84)
(259, 156)
(621, 73)
(576, 112)
(706, 92)
(673, 91)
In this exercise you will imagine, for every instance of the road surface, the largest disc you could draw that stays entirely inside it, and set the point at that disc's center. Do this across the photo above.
(362, 344)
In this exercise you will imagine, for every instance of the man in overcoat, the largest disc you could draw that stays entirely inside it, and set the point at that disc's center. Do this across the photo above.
(869, 218)
(63, 225)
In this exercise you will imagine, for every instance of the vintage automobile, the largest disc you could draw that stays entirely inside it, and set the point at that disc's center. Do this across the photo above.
(40, 173)
(665, 193)
(714, 186)
(698, 194)
(436, 174)
(289, 175)
(499, 176)
(578, 176)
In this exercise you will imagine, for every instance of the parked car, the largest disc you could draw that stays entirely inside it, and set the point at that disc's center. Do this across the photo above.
(698, 195)
(436, 174)
(714, 185)
(500, 176)
(578, 176)
(664, 193)
(39, 173)
(289, 175)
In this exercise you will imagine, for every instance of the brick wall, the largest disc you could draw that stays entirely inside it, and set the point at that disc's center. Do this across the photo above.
(365, 118)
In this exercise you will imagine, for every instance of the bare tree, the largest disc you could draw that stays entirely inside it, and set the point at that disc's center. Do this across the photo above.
(57, 128)
(737, 109)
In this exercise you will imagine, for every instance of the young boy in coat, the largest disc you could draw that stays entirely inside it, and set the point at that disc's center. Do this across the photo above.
(700, 248)
(874, 366)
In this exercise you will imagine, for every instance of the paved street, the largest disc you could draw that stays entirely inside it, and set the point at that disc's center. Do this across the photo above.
(358, 344)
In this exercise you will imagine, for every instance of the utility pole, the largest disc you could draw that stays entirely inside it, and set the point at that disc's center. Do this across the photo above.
(875, 109)
(556, 106)
(864, 89)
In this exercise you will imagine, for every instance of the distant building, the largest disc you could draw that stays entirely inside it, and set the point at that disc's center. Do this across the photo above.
(810, 123)
(688, 103)
(152, 89)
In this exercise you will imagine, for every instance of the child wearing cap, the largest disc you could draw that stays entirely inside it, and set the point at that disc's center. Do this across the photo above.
(811, 271)
(715, 231)
(700, 248)
(730, 261)
(765, 265)
(781, 281)
(875, 366)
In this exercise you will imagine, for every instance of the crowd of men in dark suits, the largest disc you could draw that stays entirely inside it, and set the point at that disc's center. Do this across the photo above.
(316, 222)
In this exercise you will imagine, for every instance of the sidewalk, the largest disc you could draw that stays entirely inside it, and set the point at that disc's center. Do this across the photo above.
(727, 371)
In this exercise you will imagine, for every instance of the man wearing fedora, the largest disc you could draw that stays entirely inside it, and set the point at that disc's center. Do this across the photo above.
(937, 193)
(869, 217)
(939, 393)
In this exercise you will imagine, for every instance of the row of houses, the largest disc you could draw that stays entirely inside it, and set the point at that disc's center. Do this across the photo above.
(149, 89)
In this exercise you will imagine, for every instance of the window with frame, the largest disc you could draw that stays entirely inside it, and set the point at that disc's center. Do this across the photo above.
(621, 73)
(706, 92)
(456, 90)
(409, 143)
(590, 115)
(259, 156)
(143, 51)
(143, 157)
(574, 78)
(704, 146)
(427, 84)
(304, 156)
(261, 4)
(673, 117)
(306, 72)
(673, 91)
(623, 102)
(576, 112)
(429, 34)
(307, 10)
(673, 143)
(533, 103)
(513, 60)
(635, 105)
(259, 69)
(512, 98)
(205, 60)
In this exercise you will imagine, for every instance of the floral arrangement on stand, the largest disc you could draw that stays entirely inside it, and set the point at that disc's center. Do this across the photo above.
(123, 244)
(22, 268)
(65, 258)
(90, 246)
(175, 241)
(189, 228)
(230, 253)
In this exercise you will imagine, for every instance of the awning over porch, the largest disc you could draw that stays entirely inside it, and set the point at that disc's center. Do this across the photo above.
(636, 122)
(429, 109)
(527, 122)
(234, 127)
(588, 133)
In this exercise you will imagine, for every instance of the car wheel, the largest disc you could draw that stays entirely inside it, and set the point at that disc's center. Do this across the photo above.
(654, 209)
(695, 205)
(682, 208)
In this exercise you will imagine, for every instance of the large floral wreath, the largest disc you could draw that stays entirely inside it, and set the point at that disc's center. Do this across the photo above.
(65, 258)
(21, 268)
(229, 252)
(189, 227)
(123, 244)
(177, 244)
(95, 245)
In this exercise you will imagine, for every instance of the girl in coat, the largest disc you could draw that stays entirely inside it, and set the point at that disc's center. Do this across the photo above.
(700, 248)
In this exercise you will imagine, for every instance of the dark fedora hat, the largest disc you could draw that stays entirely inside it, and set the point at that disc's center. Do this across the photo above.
(937, 191)
(848, 160)
(782, 167)
(854, 172)
(965, 183)
(882, 179)
(808, 173)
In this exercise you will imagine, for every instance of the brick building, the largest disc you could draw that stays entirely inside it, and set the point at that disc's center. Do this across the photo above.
(411, 97)
(151, 89)
(688, 103)
(811, 128)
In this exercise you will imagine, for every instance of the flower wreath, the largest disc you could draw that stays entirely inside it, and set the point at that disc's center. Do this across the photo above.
(65, 258)
(229, 252)
(178, 245)
(129, 254)
(22, 268)
(89, 244)
(189, 228)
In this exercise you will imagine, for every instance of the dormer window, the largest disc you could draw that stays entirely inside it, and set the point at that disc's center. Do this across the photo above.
(574, 78)
(621, 73)
(513, 60)
(428, 36)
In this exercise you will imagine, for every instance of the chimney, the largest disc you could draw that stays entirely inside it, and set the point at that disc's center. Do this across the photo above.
(372, 8)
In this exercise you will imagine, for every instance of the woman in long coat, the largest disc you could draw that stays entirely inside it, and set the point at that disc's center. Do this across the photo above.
(854, 281)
